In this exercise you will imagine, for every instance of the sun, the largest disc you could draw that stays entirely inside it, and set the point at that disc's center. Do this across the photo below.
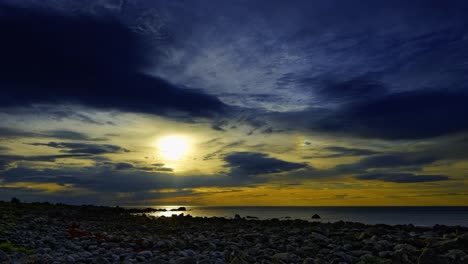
(173, 147)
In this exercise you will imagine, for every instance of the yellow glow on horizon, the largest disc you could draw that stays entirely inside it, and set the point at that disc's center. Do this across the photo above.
(173, 147)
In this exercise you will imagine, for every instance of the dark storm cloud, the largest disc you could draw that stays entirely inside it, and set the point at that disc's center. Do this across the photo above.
(346, 152)
(396, 163)
(3, 149)
(372, 69)
(106, 178)
(83, 148)
(6, 132)
(7, 160)
(357, 89)
(123, 166)
(253, 163)
(4, 164)
(402, 177)
(46, 158)
(404, 115)
(98, 62)
(245, 169)
(395, 160)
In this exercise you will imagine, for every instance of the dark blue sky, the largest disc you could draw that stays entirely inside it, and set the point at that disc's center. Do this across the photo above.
(296, 93)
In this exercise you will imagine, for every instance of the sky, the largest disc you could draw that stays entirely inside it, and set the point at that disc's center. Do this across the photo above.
(239, 102)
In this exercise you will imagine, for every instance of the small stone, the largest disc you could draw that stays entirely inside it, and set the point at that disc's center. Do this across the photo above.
(146, 254)
(280, 257)
(318, 236)
(186, 260)
(101, 260)
(188, 253)
(70, 259)
(4, 258)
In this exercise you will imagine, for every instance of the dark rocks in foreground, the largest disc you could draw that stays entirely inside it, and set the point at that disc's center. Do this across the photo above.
(44, 233)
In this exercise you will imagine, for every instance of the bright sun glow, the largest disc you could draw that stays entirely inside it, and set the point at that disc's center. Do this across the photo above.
(173, 147)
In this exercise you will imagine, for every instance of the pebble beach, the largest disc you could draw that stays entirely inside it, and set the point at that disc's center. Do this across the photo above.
(58, 233)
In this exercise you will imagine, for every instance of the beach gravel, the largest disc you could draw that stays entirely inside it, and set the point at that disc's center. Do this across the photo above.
(47, 233)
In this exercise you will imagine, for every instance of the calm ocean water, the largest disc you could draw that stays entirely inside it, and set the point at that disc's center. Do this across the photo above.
(421, 216)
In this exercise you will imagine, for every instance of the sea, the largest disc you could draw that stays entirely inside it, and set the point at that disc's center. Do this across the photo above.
(391, 215)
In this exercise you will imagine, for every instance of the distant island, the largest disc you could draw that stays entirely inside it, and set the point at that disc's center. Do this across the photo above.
(60, 233)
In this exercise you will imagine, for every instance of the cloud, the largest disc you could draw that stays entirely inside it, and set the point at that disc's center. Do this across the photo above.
(406, 115)
(83, 148)
(402, 177)
(6, 132)
(356, 89)
(403, 115)
(123, 166)
(51, 58)
(244, 164)
(70, 135)
(345, 152)
(106, 178)
(45, 158)
(4, 164)
(3, 148)
(7, 160)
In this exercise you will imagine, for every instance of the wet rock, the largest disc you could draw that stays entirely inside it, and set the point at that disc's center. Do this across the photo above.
(101, 260)
(4, 258)
(280, 258)
(70, 259)
(318, 236)
(145, 254)
(457, 256)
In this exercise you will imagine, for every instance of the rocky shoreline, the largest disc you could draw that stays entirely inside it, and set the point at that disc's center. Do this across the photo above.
(46, 233)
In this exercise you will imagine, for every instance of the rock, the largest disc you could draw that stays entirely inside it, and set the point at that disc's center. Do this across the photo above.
(385, 254)
(179, 209)
(308, 261)
(457, 256)
(280, 258)
(92, 247)
(237, 217)
(188, 253)
(70, 259)
(428, 256)
(405, 247)
(358, 253)
(238, 260)
(343, 256)
(316, 216)
(4, 258)
(374, 260)
(308, 251)
(318, 236)
(320, 261)
(186, 260)
(101, 260)
(145, 254)
(402, 256)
